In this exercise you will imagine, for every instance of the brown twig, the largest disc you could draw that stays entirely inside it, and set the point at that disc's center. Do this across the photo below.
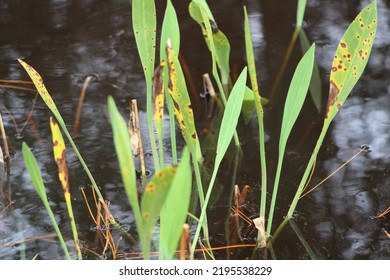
(7, 158)
(80, 104)
(135, 133)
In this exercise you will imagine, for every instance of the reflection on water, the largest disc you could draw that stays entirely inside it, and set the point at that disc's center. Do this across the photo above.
(69, 40)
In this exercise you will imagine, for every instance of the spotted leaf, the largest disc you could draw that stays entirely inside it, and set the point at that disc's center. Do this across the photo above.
(158, 97)
(38, 82)
(60, 154)
(182, 104)
(351, 57)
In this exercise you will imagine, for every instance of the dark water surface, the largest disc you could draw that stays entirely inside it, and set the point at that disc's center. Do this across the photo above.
(69, 40)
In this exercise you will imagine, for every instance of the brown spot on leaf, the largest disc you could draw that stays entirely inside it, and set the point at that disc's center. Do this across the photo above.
(193, 135)
(343, 45)
(55, 143)
(334, 69)
(333, 94)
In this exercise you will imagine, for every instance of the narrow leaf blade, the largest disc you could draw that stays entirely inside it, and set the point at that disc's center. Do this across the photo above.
(144, 26)
(231, 115)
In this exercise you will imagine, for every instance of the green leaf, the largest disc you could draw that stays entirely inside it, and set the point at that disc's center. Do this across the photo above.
(33, 170)
(206, 8)
(296, 94)
(152, 201)
(216, 40)
(144, 26)
(351, 58)
(230, 116)
(174, 212)
(295, 98)
(170, 30)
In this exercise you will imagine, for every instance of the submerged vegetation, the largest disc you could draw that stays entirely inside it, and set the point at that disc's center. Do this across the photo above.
(177, 197)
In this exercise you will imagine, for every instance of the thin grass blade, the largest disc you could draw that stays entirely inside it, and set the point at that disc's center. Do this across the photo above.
(36, 177)
(260, 120)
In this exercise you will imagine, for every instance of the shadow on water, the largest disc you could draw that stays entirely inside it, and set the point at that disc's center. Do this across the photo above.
(69, 40)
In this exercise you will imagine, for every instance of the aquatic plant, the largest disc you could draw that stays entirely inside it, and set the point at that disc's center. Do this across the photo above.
(166, 195)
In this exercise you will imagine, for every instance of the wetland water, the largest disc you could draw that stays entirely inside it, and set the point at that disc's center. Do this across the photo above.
(69, 40)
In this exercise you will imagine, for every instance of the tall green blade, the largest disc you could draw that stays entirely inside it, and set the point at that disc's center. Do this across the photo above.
(144, 26)
(33, 170)
(295, 98)
(227, 130)
(174, 213)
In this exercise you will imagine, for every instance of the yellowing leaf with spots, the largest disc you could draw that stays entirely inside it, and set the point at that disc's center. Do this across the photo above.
(60, 155)
(351, 58)
(60, 158)
(38, 82)
(152, 201)
(158, 98)
(182, 104)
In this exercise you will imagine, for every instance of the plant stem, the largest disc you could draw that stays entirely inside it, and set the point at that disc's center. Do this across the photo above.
(149, 110)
